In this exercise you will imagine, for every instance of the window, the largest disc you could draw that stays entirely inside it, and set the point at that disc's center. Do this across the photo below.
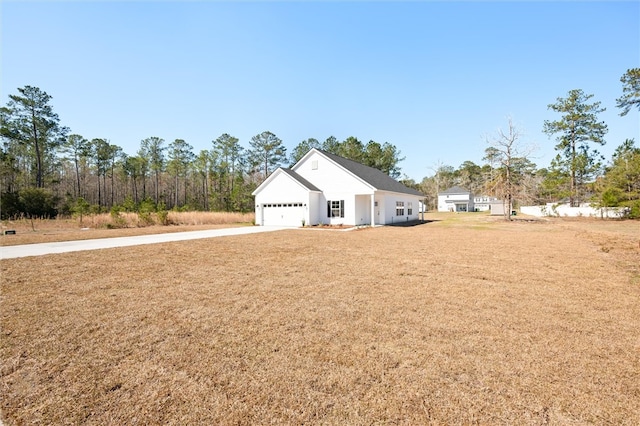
(409, 208)
(399, 208)
(335, 208)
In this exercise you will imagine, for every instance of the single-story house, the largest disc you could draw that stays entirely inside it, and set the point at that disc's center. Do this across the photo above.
(455, 199)
(324, 188)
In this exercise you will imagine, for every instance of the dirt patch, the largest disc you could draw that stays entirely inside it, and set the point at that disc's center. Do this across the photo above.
(455, 321)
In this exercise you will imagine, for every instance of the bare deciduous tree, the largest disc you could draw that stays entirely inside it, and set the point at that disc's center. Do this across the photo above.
(510, 158)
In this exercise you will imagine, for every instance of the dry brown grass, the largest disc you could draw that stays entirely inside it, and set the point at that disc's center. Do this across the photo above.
(106, 226)
(459, 321)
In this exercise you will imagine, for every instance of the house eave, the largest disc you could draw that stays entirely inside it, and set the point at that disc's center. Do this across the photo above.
(277, 172)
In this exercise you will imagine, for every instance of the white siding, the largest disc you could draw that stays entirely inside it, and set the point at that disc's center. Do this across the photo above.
(497, 208)
(284, 190)
(380, 210)
(329, 177)
(362, 210)
(349, 208)
(336, 184)
(483, 203)
(390, 199)
(315, 199)
(357, 209)
(447, 201)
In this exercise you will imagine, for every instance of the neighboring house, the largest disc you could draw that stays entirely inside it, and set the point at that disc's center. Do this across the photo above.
(484, 203)
(324, 188)
(455, 199)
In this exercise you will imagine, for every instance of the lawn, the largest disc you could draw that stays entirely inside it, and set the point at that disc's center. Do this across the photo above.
(462, 320)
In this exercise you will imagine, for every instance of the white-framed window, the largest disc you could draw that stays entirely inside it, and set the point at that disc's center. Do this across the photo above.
(335, 208)
(399, 208)
(409, 208)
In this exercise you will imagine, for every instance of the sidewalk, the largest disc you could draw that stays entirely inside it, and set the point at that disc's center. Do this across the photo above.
(12, 252)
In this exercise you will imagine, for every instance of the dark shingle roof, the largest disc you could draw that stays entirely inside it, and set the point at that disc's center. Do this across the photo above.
(300, 179)
(374, 177)
(455, 190)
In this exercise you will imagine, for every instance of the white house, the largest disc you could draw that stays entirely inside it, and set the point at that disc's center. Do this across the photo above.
(483, 203)
(455, 199)
(323, 188)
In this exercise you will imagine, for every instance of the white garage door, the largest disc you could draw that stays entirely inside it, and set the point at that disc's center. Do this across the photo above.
(283, 214)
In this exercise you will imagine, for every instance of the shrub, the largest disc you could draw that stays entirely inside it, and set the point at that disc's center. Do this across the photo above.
(81, 208)
(117, 220)
(95, 209)
(147, 206)
(9, 205)
(633, 209)
(163, 217)
(38, 202)
(145, 219)
(65, 208)
(128, 205)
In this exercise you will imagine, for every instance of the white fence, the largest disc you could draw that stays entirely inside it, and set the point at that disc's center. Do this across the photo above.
(564, 210)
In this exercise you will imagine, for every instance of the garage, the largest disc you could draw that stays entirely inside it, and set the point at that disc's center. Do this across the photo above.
(283, 214)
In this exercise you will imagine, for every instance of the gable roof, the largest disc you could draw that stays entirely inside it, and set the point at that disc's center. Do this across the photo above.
(308, 185)
(293, 175)
(455, 190)
(372, 176)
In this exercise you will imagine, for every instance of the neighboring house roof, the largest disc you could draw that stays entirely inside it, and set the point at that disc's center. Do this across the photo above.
(302, 181)
(454, 190)
(374, 177)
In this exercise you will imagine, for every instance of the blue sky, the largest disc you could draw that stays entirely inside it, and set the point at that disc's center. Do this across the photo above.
(432, 78)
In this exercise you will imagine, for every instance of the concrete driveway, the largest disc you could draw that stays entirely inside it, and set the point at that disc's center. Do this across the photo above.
(12, 252)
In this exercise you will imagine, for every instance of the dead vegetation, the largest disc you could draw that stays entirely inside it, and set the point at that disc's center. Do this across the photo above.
(461, 320)
(121, 225)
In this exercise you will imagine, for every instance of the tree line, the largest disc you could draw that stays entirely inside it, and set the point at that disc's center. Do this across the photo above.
(45, 169)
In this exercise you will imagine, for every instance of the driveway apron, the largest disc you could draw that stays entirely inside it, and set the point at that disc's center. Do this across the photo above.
(11, 252)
